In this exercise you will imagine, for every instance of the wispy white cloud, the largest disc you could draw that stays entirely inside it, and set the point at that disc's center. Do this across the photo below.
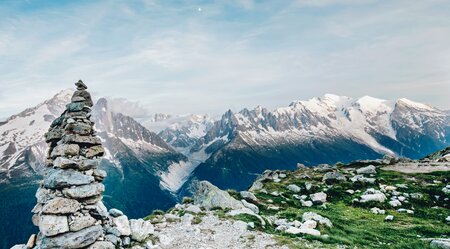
(174, 58)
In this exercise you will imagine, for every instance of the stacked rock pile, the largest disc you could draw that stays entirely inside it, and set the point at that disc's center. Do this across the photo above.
(69, 210)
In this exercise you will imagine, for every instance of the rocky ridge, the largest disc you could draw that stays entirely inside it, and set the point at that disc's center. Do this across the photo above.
(328, 129)
(69, 210)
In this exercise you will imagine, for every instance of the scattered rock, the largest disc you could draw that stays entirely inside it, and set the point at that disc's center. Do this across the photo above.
(376, 210)
(440, 243)
(373, 195)
(320, 197)
(331, 177)
(122, 224)
(306, 203)
(294, 188)
(389, 218)
(316, 217)
(395, 203)
(249, 196)
(141, 229)
(367, 170)
(309, 224)
(250, 206)
(209, 196)
(193, 209)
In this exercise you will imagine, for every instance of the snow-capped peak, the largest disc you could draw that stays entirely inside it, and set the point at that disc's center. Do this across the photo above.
(415, 105)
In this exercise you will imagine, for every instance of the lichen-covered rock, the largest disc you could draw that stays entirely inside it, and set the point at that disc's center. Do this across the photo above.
(63, 163)
(50, 225)
(75, 107)
(61, 205)
(65, 150)
(43, 195)
(79, 128)
(88, 164)
(94, 151)
(82, 96)
(78, 139)
(81, 222)
(54, 135)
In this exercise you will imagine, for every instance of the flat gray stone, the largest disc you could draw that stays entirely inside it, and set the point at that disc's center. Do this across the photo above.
(65, 150)
(61, 205)
(84, 191)
(79, 139)
(367, 170)
(93, 151)
(73, 240)
(51, 225)
(64, 163)
(88, 164)
(79, 128)
(102, 245)
(60, 178)
(75, 107)
(54, 135)
(79, 223)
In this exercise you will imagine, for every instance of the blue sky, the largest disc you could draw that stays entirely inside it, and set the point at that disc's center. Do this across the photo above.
(208, 56)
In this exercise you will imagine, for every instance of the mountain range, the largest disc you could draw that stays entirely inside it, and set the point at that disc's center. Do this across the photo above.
(153, 162)
(134, 156)
(329, 129)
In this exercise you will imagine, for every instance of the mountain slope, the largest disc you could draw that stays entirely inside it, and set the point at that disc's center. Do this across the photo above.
(134, 158)
(320, 130)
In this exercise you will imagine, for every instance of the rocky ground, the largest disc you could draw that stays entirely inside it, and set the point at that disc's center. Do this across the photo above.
(364, 204)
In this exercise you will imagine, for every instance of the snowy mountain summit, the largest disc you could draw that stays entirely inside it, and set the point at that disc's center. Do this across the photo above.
(319, 130)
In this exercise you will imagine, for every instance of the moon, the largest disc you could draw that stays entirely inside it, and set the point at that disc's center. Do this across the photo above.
(199, 9)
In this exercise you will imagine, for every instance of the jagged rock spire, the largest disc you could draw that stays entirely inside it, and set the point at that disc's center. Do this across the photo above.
(69, 210)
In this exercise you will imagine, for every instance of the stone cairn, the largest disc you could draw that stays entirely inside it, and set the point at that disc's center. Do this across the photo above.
(69, 210)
